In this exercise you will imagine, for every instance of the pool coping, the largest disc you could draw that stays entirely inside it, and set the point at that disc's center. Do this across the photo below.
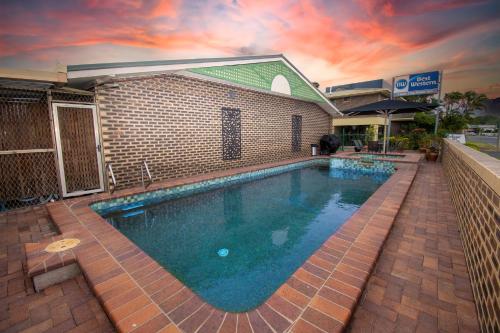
(140, 295)
(412, 157)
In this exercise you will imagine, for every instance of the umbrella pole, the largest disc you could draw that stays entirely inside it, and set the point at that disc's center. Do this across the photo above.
(385, 133)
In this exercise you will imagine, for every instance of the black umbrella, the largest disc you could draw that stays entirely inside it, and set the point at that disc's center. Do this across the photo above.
(388, 107)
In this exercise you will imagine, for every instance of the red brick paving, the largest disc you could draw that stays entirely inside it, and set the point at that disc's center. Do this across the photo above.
(65, 307)
(420, 283)
(141, 296)
(136, 292)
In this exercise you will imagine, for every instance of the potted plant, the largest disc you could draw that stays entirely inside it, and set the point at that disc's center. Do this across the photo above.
(416, 135)
(432, 152)
(424, 144)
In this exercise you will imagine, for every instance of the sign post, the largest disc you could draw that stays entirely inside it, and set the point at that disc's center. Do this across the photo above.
(498, 136)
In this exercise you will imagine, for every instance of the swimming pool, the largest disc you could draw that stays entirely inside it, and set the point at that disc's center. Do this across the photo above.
(234, 242)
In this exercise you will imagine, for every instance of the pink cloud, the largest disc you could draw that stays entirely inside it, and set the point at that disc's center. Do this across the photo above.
(356, 40)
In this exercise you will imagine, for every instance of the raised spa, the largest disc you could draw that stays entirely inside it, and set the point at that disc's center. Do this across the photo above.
(235, 240)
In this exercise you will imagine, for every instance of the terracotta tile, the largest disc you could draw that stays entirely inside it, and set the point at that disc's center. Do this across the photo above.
(213, 322)
(273, 318)
(153, 325)
(138, 318)
(176, 300)
(170, 329)
(293, 296)
(128, 308)
(308, 278)
(192, 323)
(257, 323)
(322, 321)
(122, 297)
(284, 307)
(331, 309)
(302, 326)
(337, 297)
(185, 310)
(229, 323)
(301, 286)
(344, 288)
(243, 324)
(168, 291)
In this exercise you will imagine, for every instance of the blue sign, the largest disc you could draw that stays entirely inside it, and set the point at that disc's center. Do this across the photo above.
(417, 84)
(402, 83)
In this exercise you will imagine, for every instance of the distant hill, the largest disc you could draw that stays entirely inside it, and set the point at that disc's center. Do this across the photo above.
(492, 108)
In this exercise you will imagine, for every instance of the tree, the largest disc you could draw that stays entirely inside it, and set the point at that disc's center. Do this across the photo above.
(453, 101)
(465, 103)
(454, 121)
(425, 120)
(422, 99)
(473, 101)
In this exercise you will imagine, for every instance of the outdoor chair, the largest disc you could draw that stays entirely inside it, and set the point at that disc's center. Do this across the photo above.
(373, 146)
(358, 146)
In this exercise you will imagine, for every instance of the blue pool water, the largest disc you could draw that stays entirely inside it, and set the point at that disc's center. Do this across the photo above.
(234, 246)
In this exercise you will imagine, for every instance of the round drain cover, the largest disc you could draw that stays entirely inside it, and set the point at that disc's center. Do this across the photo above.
(62, 245)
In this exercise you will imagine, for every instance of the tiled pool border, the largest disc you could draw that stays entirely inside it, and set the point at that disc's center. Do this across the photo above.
(407, 157)
(103, 207)
(139, 295)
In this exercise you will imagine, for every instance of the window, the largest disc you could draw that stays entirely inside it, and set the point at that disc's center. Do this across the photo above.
(296, 133)
(231, 134)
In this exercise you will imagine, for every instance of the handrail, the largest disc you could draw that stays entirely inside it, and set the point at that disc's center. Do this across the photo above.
(145, 166)
(113, 179)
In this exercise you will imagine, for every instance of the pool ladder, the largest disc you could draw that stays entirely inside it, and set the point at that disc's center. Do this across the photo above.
(109, 170)
(144, 167)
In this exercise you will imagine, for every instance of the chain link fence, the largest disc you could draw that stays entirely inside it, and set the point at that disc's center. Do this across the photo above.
(28, 172)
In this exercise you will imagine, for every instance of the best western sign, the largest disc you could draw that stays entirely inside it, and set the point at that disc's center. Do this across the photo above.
(416, 84)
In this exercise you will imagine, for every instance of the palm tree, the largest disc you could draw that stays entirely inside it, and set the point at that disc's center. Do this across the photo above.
(453, 100)
(474, 101)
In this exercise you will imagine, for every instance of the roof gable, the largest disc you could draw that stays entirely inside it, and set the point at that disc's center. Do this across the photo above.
(253, 72)
(261, 76)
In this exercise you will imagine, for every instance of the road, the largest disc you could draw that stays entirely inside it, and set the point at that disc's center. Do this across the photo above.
(492, 140)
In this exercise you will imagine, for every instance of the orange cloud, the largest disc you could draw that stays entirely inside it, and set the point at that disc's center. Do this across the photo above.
(354, 40)
(165, 8)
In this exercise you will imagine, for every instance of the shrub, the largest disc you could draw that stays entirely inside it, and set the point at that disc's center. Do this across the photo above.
(416, 136)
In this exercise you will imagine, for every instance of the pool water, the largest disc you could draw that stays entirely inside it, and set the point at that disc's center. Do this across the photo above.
(234, 246)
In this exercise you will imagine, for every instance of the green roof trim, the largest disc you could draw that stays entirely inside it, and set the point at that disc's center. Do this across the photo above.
(260, 76)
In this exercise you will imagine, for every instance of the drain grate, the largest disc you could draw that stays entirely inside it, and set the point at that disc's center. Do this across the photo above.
(62, 245)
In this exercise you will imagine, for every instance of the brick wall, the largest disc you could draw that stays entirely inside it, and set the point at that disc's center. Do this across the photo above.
(475, 186)
(174, 122)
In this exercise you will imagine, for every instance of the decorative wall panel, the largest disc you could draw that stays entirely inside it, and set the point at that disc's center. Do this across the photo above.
(231, 134)
(296, 132)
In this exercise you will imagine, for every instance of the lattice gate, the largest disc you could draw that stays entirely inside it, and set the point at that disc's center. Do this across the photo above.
(28, 157)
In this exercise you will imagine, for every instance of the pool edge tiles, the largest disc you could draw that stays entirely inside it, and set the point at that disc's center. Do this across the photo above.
(269, 224)
(106, 255)
(159, 195)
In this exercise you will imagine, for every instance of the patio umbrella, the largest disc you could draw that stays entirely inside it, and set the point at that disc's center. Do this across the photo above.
(386, 108)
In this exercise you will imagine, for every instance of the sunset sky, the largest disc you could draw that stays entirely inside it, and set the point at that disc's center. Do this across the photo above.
(332, 42)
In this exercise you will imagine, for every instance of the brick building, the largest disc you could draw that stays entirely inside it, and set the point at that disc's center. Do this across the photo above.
(350, 96)
(196, 116)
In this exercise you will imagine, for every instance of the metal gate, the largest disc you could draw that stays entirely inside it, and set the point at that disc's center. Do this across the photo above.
(79, 149)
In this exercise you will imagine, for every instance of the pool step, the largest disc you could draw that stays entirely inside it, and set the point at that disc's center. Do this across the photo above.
(49, 268)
